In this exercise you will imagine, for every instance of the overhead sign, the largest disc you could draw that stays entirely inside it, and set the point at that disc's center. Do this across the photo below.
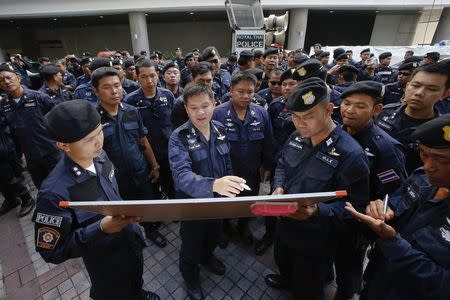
(249, 39)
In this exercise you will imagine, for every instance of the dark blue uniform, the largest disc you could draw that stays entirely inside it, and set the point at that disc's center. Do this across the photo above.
(178, 93)
(21, 69)
(85, 91)
(129, 85)
(195, 163)
(25, 119)
(363, 76)
(257, 99)
(393, 93)
(341, 87)
(69, 79)
(114, 261)
(221, 83)
(266, 94)
(179, 115)
(415, 263)
(385, 74)
(397, 124)
(443, 106)
(228, 67)
(303, 249)
(185, 76)
(251, 141)
(156, 114)
(83, 79)
(57, 96)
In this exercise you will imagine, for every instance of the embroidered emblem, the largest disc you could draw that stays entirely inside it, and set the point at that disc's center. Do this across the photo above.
(388, 176)
(308, 98)
(47, 238)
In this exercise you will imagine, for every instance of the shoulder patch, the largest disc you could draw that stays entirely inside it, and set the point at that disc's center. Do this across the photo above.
(48, 219)
(388, 176)
(47, 238)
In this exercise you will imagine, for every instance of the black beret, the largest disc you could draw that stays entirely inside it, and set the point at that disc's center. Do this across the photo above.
(195, 50)
(338, 51)
(70, 121)
(433, 55)
(160, 54)
(188, 55)
(341, 56)
(258, 53)
(364, 50)
(371, 88)
(85, 60)
(309, 68)
(49, 70)
(232, 57)
(117, 62)
(319, 52)
(170, 64)
(154, 55)
(136, 56)
(7, 67)
(289, 73)
(246, 53)
(128, 63)
(87, 54)
(324, 54)
(348, 68)
(384, 55)
(299, 59)
(208, 53)
(257, 72)
(307, 94)
(414, 58)
(43, 58)
(410, 66)
(270, 51)
(99, 62)
(434, 133)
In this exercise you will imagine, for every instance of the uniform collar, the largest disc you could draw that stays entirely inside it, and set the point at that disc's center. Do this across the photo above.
(76, 170)
(250, 115)
(363, 132)
(104, 113)
(26, 94)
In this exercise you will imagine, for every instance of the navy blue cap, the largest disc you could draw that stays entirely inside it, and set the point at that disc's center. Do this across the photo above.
(270, 51)
(434, 133)
(170, 64)
(307, 94)
(371, 88)
(384, 55)
(99, 62)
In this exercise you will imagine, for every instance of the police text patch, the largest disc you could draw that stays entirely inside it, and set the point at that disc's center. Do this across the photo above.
(48, 220)
(47, 238)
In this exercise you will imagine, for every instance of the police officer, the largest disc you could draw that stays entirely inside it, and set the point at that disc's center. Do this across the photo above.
(258, 55)
(431, 58)
(222, 78)
(86, 77)
(21, 65)
(245, 61)
(110, 246)
(11, 184)
(24, 110)
(249, 132)
(127, 145)
(410, 259)
(367, 71)
(274, 89)
(324, 58)
(69, 81)
(396, 90)
(186, 73)
(179, 58)
(346, 76)
(339, 61)
(230, 64)
(351, 61)
(53, 85)
(171, 76)
(336, 53)
(257, 99)
(383, 69)
(128, 85)
(319, 156)
(270, 62)
(428, 84)
(130, 69)
(199, 155)
(361, 102)
(363, 55)
(155, 106)
(202, 73)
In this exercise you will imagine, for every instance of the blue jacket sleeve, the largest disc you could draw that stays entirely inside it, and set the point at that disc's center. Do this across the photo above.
(63, 242)
(267, 159)
(184, 178)
(419, 270)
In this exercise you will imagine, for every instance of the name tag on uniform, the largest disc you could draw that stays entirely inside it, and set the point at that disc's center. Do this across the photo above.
(163, 101)
(295, 145)
(326, 159)
(384, 125)
(29, 104)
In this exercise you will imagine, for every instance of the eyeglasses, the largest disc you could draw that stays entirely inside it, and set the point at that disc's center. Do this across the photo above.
(275, 82)
(214, 61)
(404, 73)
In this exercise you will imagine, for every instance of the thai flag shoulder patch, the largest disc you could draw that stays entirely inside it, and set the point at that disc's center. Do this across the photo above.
(388, 176)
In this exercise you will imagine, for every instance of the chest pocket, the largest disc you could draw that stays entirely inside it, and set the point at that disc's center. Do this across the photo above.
(319, 173)
(256, 135)
(199, 154)
(132, 129)
(233, 136)
(223, 148)
(435, 241)
(108, 130)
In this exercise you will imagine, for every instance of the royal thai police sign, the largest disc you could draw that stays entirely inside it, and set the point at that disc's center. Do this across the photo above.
(249, 39)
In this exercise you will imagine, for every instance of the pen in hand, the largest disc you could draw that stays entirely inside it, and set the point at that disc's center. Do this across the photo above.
(385, 204)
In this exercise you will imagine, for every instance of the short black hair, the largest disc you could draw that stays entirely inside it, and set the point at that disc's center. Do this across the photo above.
(243, 60)
(243, 76)
(194, 89)
(101, 73)
(144, 63)
(441, 68)
(276, 72)
(202, 68)
(349, 76)
(410, 52)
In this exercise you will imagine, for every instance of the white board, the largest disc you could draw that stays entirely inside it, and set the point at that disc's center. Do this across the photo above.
(194, 209)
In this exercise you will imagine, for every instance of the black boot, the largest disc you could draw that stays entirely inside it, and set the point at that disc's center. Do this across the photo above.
(7, 205)
(194, 291)
(27, 206)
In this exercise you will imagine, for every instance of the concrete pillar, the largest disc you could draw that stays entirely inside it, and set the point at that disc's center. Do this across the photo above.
(138, 29)
(426, 26)
(393, 29)
(443, 28)
(298, 19)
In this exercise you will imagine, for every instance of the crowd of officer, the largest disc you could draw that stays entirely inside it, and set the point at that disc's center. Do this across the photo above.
(141, 127)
